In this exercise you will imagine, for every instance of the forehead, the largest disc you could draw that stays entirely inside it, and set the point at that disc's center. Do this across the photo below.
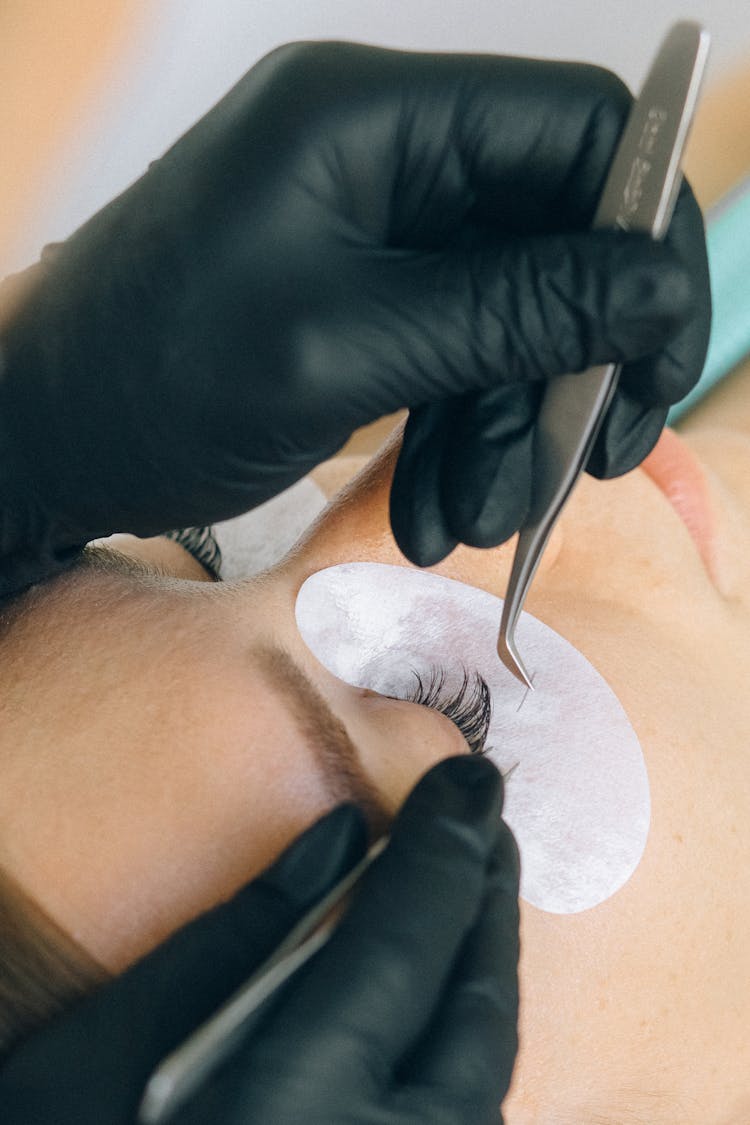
(140, 751)
(106, 645)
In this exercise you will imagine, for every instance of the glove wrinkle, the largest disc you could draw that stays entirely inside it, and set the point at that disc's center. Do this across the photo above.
(389, 229)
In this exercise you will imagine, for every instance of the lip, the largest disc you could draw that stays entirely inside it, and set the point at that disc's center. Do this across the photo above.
(678, 474)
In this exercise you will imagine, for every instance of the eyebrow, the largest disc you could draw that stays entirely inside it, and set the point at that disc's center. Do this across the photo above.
(101, 558)
(335, 753)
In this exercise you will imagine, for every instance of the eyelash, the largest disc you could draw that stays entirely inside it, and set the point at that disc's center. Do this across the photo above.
(202, 545)
(468, 706)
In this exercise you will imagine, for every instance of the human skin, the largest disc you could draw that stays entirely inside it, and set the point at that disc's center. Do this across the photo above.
(165, 770)
(633, 1006)
(635, 1003)
(165, 773)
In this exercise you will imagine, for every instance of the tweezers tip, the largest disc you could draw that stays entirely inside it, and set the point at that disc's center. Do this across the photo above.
(506, 650)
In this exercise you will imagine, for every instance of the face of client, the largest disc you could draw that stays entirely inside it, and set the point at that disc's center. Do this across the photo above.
(168, 764)
(188, 737)
(631, 1011)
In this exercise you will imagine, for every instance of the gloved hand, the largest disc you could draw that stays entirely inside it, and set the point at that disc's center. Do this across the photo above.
(351, 230)
(407, 1015)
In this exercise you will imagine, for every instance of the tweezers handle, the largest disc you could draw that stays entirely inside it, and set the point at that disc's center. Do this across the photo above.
(639, 194)
(190, 1064)
(573, 404)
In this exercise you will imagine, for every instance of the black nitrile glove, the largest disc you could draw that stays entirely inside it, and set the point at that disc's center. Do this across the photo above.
(408, 1014)
(351, 230)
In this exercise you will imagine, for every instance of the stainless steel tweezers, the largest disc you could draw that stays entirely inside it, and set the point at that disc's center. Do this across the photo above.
(192, 1063)
(639, 194)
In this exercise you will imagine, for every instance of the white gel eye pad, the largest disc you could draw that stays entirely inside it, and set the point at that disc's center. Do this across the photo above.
(577, 799)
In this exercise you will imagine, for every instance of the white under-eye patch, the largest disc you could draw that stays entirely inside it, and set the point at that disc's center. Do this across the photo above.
(577, 799)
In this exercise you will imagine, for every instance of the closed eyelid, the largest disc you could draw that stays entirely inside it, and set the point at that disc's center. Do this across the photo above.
(201, 543)
(137, 560)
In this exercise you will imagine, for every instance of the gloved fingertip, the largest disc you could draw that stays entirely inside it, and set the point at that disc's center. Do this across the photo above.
(653, 297)
(488, 516)
(467, 788)
(424, 541)
(320, 856)
(663, 379)
(629, 433)
(486, 470)
(676, 290)
(428, 549)
(415, 505)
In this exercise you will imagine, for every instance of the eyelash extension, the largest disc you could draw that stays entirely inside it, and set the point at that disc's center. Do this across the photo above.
(202, 545)
(468, 706)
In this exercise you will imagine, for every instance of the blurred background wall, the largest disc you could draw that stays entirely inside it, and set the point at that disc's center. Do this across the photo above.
(185, 54)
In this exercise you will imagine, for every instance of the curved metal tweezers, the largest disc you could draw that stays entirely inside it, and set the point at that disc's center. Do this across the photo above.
(639, 194)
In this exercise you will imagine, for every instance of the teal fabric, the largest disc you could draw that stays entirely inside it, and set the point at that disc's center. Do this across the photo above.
(728, 238)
